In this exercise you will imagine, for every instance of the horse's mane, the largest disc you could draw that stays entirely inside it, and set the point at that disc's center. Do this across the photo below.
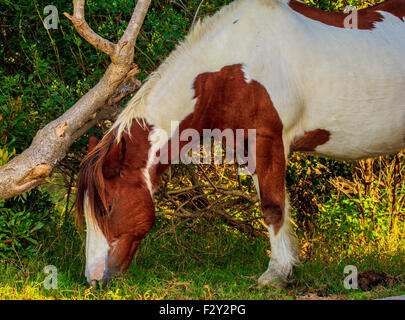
(136, 107)
(91, 180)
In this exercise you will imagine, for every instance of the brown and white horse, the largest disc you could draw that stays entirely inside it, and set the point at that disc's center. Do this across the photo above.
(292, 73)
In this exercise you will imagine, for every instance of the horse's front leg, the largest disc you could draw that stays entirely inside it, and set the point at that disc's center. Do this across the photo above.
(270, 185)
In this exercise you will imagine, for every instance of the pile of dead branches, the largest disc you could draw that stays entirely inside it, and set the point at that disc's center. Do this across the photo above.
(202, 197)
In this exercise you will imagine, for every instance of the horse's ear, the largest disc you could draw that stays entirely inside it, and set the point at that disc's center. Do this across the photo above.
(92, 143)
(114, 159)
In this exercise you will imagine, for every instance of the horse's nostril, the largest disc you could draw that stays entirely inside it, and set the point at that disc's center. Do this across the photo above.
(94, 283)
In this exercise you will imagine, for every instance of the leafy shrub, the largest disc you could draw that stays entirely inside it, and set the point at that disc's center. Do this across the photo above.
(23, 221)
(5, 155)
(309, 184)
(339, 5)
(342, 207)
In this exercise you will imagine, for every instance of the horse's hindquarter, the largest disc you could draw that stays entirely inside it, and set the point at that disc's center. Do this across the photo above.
(352, 84)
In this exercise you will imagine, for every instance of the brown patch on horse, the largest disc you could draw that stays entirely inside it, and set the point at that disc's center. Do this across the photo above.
(366, 17)
(247, 105)
(310, 140)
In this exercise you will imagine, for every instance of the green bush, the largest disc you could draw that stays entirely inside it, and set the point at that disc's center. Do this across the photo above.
(24, 220)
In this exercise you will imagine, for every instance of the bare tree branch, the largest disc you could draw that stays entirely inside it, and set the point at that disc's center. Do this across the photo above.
(86, 32)
(196, 14)
(51, 143)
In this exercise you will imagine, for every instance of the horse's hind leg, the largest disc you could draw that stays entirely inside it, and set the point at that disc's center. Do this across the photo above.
(270, 185)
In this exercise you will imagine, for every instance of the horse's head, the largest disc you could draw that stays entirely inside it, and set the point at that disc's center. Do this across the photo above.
(117, 204)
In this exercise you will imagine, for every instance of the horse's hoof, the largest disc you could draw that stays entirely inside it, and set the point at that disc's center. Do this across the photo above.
(269, 279)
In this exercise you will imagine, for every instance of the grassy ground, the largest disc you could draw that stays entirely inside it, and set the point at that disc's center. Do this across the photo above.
(209, 266)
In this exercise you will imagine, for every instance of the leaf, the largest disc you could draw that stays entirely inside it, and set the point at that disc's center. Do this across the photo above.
(38, 226)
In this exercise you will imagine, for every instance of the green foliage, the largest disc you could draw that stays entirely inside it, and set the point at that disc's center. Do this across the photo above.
(339, 5)
(344, 222)
(309, 184)
(5, 155)
(23, 221)
(348, 208)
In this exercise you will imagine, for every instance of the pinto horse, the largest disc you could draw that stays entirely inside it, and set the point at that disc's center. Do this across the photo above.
(293, 73)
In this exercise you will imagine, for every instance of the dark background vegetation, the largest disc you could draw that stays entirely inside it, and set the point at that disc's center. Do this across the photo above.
(340, 210)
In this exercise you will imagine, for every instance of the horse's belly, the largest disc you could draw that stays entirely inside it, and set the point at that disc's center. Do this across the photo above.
(364, 131)
(345, 148)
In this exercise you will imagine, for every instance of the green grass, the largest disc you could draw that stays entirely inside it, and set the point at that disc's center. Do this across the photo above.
(209, 266)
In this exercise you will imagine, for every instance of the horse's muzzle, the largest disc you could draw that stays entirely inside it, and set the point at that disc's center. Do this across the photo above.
(104, 281)
(111, 269)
